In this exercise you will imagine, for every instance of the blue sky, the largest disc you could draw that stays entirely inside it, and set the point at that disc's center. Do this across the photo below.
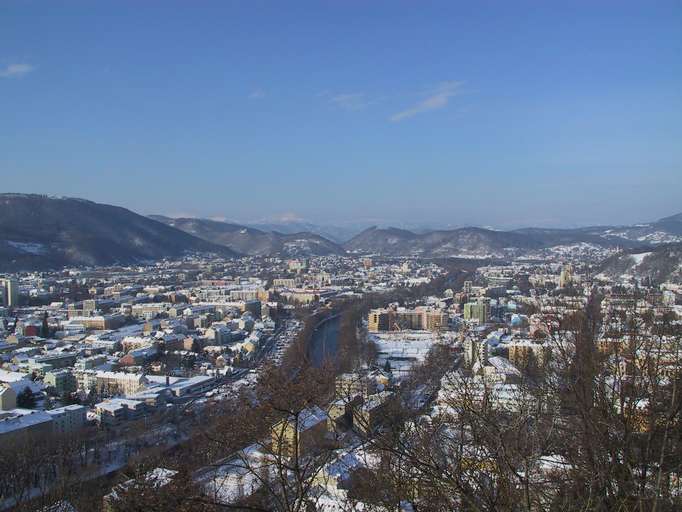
(486, 113)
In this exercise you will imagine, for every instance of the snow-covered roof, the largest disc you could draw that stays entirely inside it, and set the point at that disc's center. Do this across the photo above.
(310, 417)
(21, 420)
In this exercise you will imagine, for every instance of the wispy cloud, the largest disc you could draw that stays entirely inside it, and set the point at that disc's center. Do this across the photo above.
(436, 99)
(257, 94)
(15, 70)
(350, 101)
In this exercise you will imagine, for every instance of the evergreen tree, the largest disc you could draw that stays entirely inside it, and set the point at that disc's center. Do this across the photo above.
(25, 399)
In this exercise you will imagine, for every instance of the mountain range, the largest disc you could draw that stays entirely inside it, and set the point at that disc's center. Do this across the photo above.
(254, 242)
(336, 233)
(479, 242)
(40, 232)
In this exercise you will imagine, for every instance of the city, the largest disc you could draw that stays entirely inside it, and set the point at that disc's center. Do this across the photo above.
(313, 256)
(128, 366)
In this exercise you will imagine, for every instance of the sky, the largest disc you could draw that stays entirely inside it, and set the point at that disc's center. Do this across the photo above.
(454, 113)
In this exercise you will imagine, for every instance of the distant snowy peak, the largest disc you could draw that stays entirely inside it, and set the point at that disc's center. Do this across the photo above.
(255, 242)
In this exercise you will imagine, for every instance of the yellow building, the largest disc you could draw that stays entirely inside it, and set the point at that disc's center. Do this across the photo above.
(406, 319)
(377, 320)
(435, 320)
(523, 354)
(303, 433)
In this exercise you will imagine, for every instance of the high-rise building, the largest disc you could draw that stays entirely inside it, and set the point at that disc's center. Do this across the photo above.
(483, 351)
(470, 351)
(435, 320)
(377, 320)
(477, 311)
(10, 295)
(475, 350)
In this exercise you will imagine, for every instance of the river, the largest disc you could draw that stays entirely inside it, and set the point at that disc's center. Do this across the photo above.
(324, 342)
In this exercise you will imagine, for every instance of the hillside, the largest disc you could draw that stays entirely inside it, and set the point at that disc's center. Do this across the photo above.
(471, 242)
(386, 241)
(40, 232)
(253, 241)
(478, 242)
(662, 263)
(337, 234)
(673, 218)
(663, 231)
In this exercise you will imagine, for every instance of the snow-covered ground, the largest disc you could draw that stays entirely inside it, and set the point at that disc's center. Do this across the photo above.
(403, 349)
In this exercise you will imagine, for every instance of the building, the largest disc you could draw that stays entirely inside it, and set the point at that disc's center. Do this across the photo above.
(10, 292)
(527, 355)
(19, 382)
(245, 295)
(402, 319)
(377, 320)
(17, 427)
(192, 386)
(301, 296)
(253, 307)
(119, 383)
(8, 397)
(477, 311)
(302, 433)
(340, 413)
(55, 360)
(566, 276)
(100, 322)
(285, 283)
(61, 381)
(350, 385)
(475, 351)
(435, 320)
(138, 356)
(498, 281)
(112, 413)
(88, 363)
(297, 265)
(370, 415)
(68, 419)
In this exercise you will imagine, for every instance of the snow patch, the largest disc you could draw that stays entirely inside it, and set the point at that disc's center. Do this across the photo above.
(29, 247)
(638, 258)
